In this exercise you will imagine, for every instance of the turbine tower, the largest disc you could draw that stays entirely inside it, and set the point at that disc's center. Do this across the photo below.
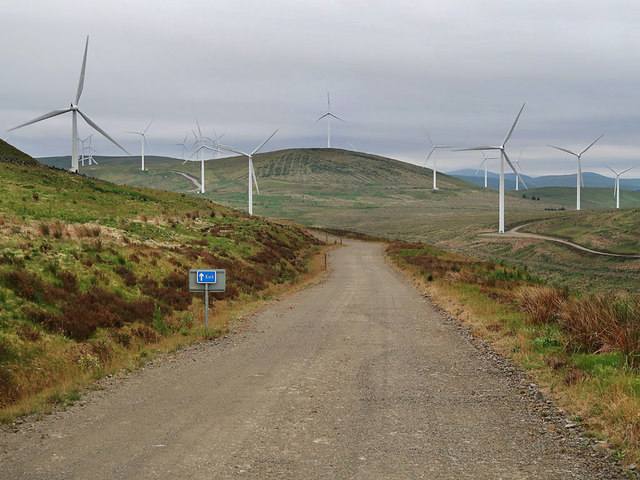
(75, 111)
(251, 174)
(519, 168)
(616, 185)
(485, 161)
(435, 147)
(579, 179)
(143, 141)
(503, 157)
(201, 159)
(329, 115)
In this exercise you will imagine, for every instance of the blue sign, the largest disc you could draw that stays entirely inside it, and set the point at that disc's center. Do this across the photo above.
(206, 276)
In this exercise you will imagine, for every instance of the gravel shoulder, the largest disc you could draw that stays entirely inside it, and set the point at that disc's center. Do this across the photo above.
(357, 377)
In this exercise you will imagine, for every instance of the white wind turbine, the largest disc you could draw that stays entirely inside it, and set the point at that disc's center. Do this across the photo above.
(435, 147)
(75, 111)
(616, 187)
(183, 144)
(201, 159)
(329, 115)
(517, 162)
(579, 179)
(485, 161)
(251, 174)
(143, 142)
(503, 157)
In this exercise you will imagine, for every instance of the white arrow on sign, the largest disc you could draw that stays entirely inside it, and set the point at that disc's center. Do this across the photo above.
(201, 276)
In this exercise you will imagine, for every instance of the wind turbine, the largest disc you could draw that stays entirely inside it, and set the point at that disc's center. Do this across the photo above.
(198, 152)
(616, 188)
(435, 147)
(517, 162)
(503, 157)
(143, 141)
(329, 115)
(484, 164)
(579, 179)
(75, 111)
(251, 174)
(183, 144)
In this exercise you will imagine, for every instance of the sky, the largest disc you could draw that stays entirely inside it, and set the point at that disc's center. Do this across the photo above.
(459, 70)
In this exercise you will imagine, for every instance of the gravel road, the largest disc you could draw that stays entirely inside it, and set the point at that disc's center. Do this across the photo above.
(357, 377)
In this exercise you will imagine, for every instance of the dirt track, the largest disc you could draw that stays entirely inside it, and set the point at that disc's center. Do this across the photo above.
(355, 378)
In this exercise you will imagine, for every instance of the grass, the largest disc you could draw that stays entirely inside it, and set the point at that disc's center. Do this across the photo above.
(613, 231)
(93, 276)
(582, 349)
(385, 198)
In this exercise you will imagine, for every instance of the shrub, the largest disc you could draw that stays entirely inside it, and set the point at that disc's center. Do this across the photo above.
(604, 322)
(541, 304)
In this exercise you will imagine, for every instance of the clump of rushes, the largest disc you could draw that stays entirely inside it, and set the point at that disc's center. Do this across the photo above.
(541, 304)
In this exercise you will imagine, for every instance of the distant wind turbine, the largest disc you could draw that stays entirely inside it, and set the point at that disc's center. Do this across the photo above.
(75, 110)
(201, 159)
(329, 115)
(503, 157)
(484, 163)
(143, 141)
(517, 162)
(579, 179)
(251, 174)
(616, 187)
(435, 147)
(183, 144)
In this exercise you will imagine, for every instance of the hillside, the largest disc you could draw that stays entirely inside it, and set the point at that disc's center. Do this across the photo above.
(392, 199)
(611, 231)
(10, 154)
(93, 276)
(334, 188)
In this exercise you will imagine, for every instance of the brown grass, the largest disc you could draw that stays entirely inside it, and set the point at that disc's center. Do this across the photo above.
(541, 304)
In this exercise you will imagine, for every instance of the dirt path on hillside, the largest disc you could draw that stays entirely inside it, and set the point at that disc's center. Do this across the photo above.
(357, 377)
(194, 181)
(516, 233)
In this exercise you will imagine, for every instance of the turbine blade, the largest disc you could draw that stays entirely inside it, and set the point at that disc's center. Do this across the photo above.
(199, 130)
(323, 116)
(625, 171)
(255, 180)
(591, 144)
(265, 142)
(513, 127)
(483, 147)
(232, 150)
(506, 157)
(54, 113)
(564, 150)
(433, 149)
(84, 67)
(612, 170)
(329, 114)
(145, 130)
(102, 132)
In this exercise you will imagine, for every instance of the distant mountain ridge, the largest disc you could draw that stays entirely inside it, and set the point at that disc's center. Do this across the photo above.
(591, 179)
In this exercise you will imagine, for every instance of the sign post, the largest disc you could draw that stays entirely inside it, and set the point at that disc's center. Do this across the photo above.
(207, 280)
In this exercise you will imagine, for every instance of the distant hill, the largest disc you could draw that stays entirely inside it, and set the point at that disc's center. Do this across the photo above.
(591, 179)
(10, 154)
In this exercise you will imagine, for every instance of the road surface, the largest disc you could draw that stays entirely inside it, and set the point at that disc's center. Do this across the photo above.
(357, 377)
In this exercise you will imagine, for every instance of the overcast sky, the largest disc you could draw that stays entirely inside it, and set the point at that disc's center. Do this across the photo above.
(458, 69)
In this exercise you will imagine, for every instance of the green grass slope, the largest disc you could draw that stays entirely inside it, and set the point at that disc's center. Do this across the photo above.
(616, 231)
(335, 188)
(93, 275)
(10, 154)
(591, 198)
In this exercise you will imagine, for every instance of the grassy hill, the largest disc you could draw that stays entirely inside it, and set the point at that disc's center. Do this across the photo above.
(616, 231)
(93, 275)
(334, 188)
(384, 197)
(591, 198)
